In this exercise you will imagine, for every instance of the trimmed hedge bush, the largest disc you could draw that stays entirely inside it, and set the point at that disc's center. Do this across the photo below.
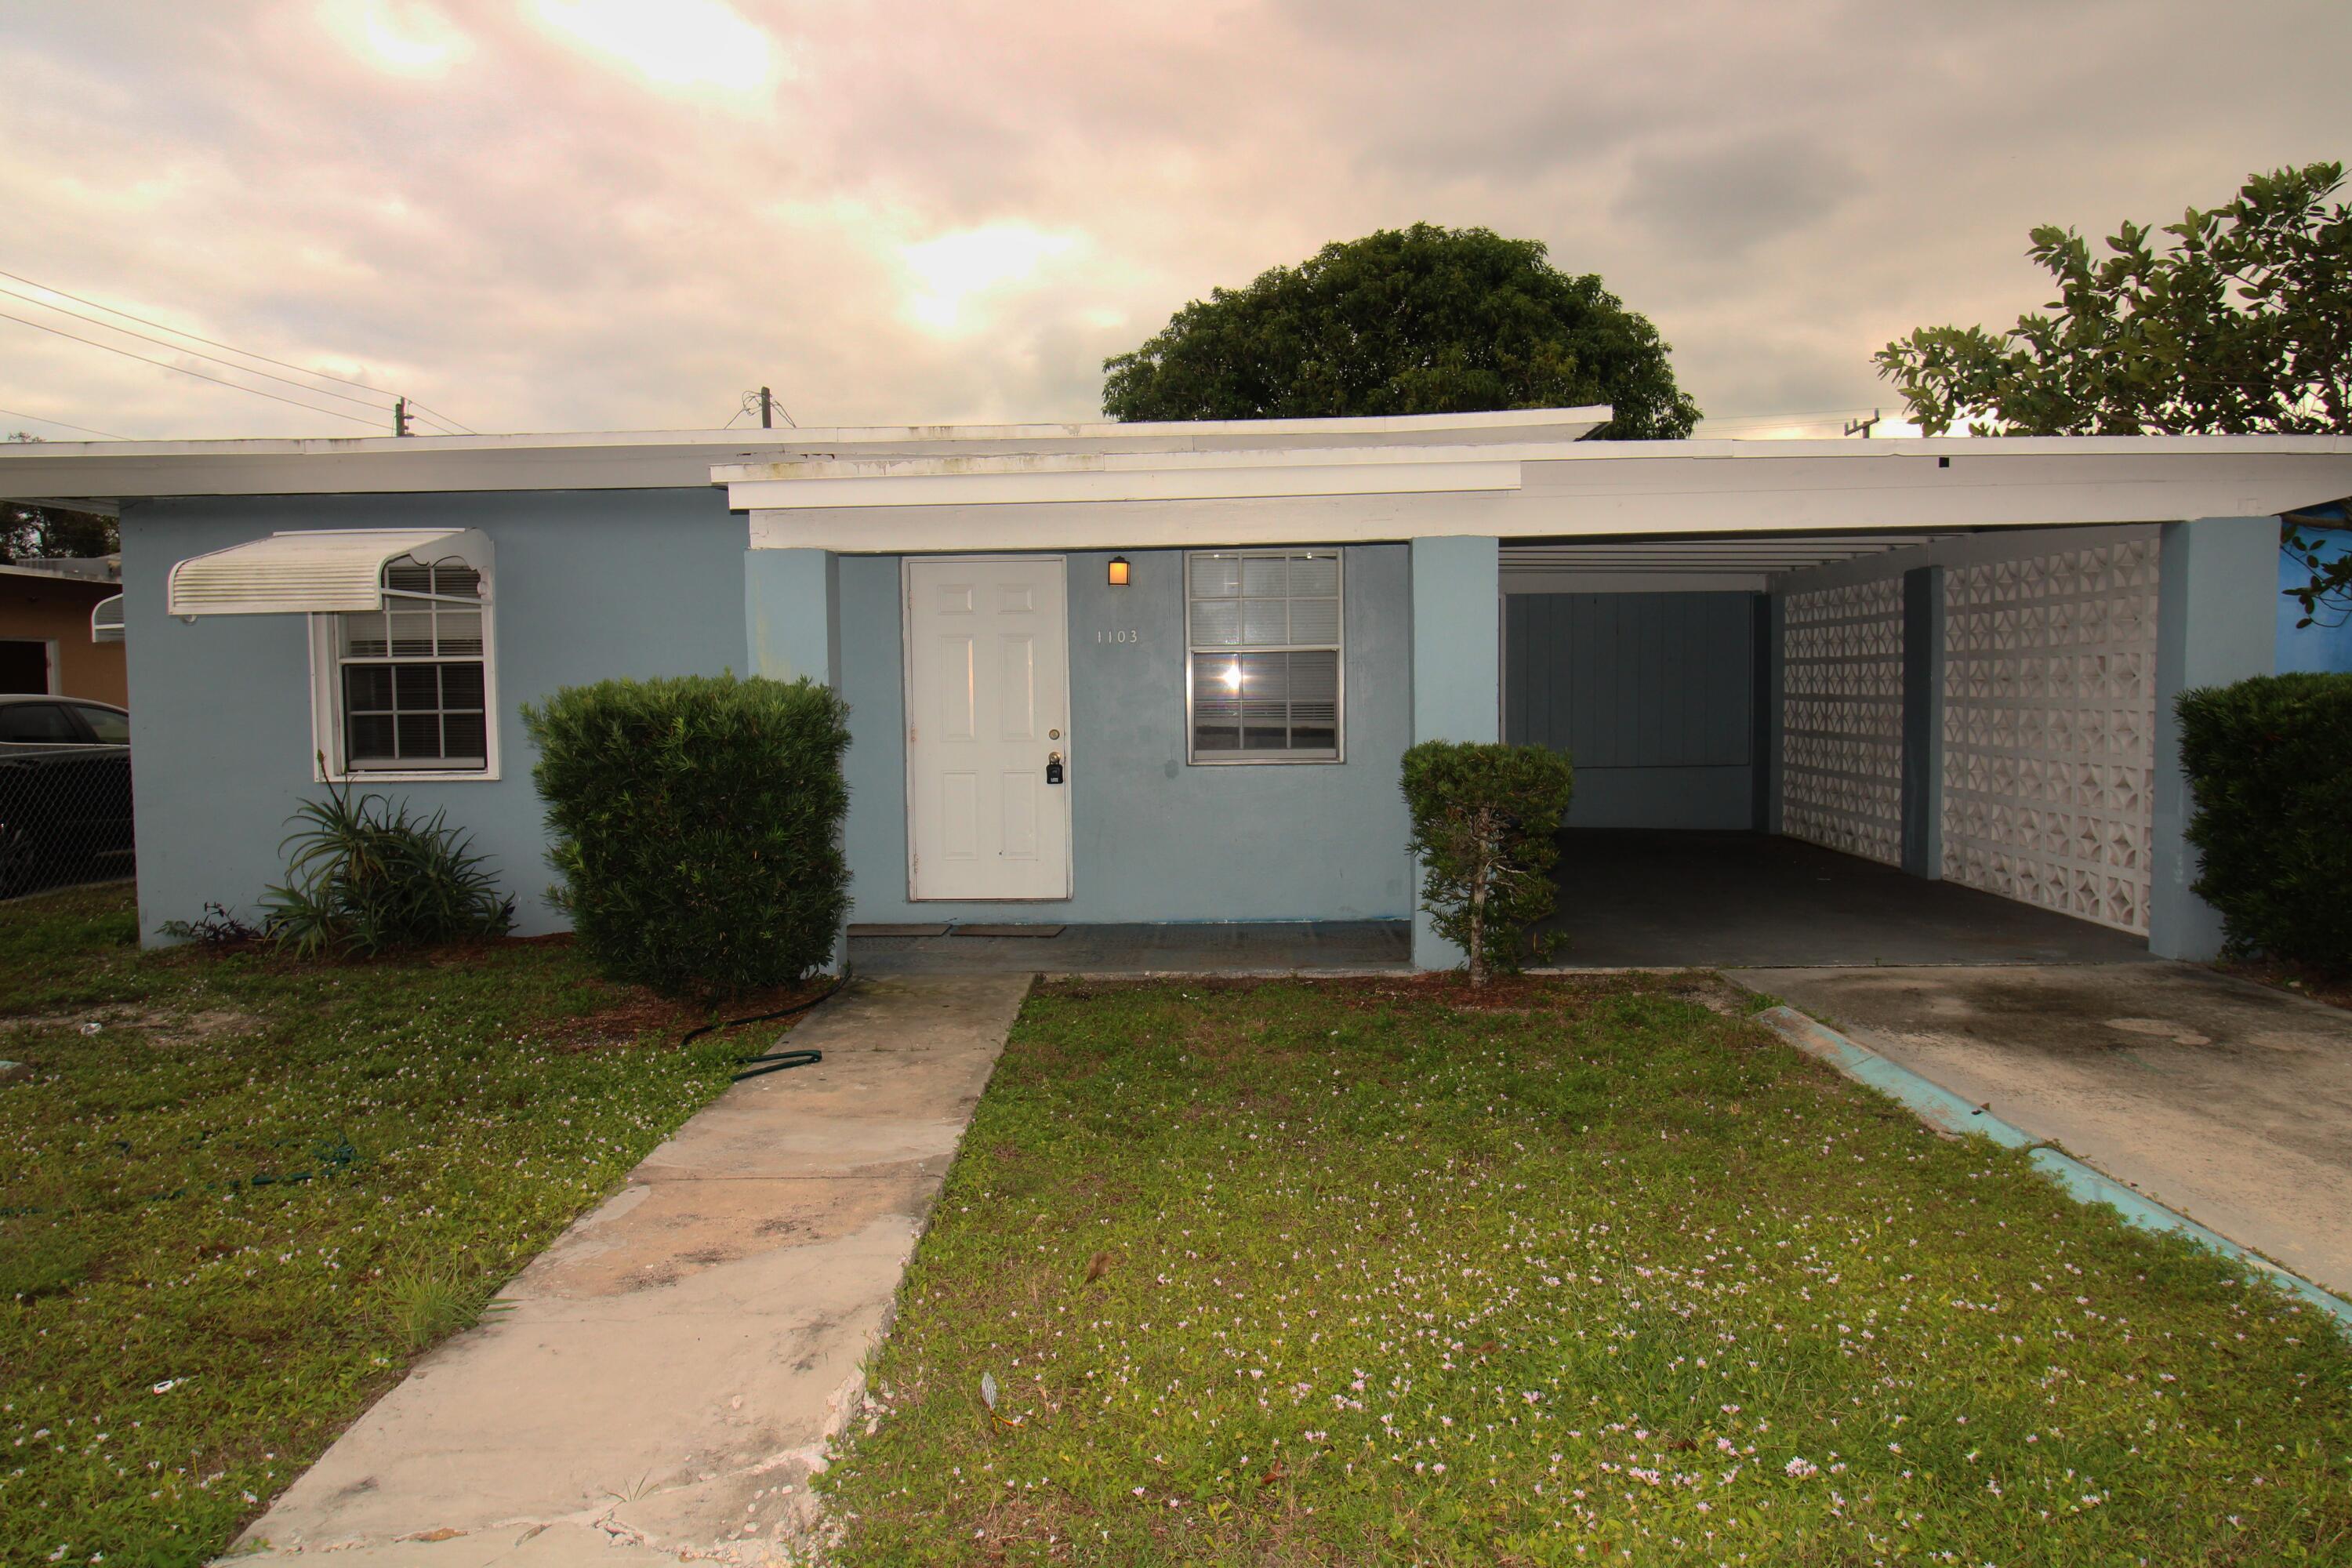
(1486, 826)
(2270, 761)
(696, 826)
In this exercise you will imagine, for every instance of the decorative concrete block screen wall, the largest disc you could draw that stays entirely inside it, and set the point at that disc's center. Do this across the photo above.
(2049, 729)
(1842, 718)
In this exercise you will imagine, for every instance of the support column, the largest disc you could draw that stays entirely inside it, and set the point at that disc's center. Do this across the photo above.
(1771, 671)
(2216, 622)
(1923, 722)
(792, 614)
(1458, 673)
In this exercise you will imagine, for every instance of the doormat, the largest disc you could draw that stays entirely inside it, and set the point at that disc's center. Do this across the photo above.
(1009, 931)
(940, 929)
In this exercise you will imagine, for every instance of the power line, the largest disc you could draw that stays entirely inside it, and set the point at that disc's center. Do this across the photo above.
(16, 413)
(441, 419)
(408, 405)
(178, 332)
(198, 353)
(200, 375)
(198, 336)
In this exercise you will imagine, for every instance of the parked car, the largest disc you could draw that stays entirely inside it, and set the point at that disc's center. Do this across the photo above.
(65, 791)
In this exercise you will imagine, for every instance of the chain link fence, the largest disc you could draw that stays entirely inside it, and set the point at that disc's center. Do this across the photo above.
(65, 816)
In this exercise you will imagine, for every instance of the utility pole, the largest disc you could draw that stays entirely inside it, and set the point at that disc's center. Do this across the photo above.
(400, 416)
(766, 410)
(1862, 426)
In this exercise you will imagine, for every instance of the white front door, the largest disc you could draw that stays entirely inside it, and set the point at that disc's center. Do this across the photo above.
(987, 714)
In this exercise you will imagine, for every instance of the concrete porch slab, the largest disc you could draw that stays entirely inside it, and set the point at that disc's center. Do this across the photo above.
(1220, 947)
(664, 1378)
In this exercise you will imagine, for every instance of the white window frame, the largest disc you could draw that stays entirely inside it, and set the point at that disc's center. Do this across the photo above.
(1194, 756)
(327, 706)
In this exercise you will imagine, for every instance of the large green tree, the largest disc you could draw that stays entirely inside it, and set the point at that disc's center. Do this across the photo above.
(1416, 321)
(2237, 320)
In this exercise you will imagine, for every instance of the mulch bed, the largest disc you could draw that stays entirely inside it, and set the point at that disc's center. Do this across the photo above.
(625, 1013)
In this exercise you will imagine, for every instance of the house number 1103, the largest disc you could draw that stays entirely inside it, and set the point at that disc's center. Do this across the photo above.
(1129, 635)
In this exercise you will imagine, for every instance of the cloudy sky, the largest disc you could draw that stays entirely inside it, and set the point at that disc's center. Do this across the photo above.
(560, 215)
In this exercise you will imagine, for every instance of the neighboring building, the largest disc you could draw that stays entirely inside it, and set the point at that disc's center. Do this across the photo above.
(1165, 672)
(46, 639)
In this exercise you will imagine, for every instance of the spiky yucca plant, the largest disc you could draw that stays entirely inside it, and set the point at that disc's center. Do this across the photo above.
(366, 876)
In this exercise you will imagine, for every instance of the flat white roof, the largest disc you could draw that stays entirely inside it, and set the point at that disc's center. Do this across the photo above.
(1522, 476)
(667, 459)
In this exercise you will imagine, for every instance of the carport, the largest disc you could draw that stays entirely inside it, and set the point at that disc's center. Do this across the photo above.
(1889, 745)
(1644, 898)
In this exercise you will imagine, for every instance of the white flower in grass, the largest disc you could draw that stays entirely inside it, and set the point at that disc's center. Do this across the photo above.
(1802, 1468)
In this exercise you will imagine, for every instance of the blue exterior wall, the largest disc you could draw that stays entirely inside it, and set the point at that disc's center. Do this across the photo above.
(588, 584)
(1153, 838)
(1651, 694)
(2321, 647)
(792, 614)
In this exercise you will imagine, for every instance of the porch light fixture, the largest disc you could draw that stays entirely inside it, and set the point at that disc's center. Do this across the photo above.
(1118, 571)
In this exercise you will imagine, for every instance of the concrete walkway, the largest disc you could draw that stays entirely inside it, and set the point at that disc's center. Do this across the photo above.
(2228, 1101)
(663, 1380)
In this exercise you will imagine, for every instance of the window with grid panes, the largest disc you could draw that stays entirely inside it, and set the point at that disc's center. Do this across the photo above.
(1263, 639)
(410, 682)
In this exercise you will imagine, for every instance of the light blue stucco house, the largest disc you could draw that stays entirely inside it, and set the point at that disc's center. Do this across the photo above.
(1165, 672)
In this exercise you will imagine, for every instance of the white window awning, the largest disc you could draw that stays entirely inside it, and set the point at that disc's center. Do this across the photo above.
(316, 571)
(106, 619)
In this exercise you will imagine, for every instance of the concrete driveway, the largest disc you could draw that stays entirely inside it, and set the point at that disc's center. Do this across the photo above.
(2226, 1100)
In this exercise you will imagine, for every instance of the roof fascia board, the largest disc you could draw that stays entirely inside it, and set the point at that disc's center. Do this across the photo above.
(106, 584)
(1117, 477)
(1578, 499)
(898, 465)
(1221, 482)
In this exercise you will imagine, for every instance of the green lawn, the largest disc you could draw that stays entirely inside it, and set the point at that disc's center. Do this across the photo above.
(239, 1195)
(1298, 1273)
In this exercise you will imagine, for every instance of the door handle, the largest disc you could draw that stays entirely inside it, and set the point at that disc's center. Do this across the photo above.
(1053, 767)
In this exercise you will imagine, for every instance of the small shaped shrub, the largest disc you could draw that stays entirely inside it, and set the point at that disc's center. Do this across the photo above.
(2269, 763)
(366, 878)
(696, 826)
(1486, 826)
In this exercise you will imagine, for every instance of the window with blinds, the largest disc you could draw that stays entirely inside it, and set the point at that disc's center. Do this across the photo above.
(1264, 637)
(412, 679)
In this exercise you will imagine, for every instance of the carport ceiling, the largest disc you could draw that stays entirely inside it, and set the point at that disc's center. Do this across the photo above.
(1721, 561)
